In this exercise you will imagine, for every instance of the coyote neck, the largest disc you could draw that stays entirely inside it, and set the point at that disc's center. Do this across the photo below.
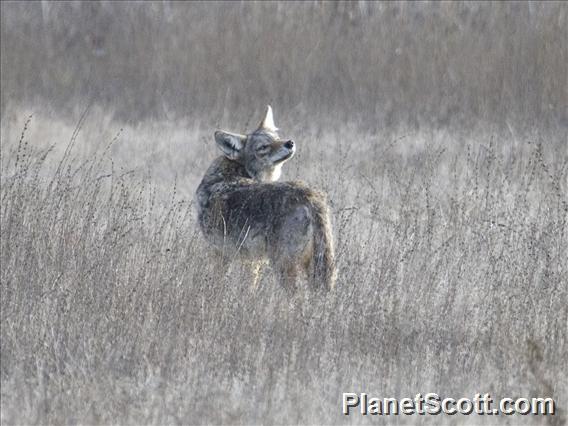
(225, 170)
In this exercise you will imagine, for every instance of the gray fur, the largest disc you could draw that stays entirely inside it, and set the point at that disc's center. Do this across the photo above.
(243, 211)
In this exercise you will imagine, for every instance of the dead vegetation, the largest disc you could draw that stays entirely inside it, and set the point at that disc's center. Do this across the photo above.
(448, 197)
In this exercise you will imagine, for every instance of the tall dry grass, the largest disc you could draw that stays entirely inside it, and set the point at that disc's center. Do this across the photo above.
(452, 279)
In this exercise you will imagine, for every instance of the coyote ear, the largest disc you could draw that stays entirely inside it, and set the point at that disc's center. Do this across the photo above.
(267, 122)
(230, 143)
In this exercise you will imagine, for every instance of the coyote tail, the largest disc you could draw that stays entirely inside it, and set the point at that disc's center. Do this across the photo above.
(323, 255)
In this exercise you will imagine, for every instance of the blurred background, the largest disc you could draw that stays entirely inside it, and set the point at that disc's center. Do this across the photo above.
(450, 65)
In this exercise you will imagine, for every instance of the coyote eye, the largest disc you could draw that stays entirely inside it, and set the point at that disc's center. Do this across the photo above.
(262, 149)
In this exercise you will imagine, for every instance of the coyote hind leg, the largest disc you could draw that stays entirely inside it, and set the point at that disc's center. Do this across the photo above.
(287, 275)
(220, 264)
(293, 246)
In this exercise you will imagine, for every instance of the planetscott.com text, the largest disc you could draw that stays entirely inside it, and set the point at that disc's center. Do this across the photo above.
(433, 404)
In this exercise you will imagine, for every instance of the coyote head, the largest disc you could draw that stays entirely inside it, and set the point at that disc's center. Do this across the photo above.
(262, 152)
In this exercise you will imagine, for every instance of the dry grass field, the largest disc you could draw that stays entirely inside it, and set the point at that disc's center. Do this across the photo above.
(438, 130)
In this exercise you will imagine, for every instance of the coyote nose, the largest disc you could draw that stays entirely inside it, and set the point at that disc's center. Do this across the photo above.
(289, 144)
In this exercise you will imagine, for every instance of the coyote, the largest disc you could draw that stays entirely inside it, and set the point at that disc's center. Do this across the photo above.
(243, 211)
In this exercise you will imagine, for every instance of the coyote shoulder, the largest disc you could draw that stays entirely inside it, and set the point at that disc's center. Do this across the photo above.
(244, 212)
